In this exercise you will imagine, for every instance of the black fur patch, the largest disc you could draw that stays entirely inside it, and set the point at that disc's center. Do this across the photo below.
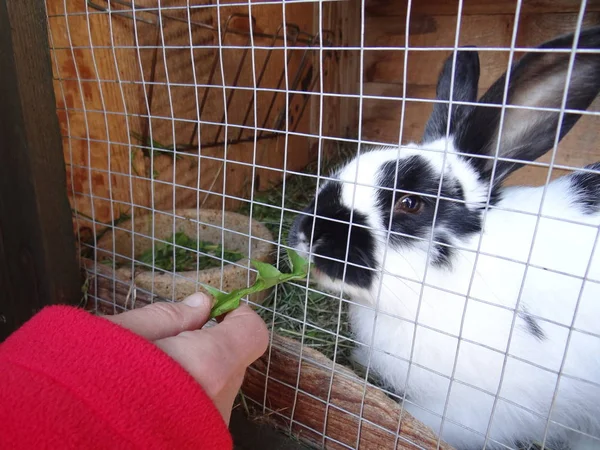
(454, 219)
(533, 131)
(532, 326)
(444, 253)
(466, 79)
(586, 186)
(331, 238)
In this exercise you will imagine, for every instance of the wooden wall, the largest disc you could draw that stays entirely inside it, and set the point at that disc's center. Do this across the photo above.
(102, 68)
(103, 95)
(485, 23)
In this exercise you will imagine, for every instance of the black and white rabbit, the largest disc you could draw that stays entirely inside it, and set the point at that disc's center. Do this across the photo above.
(392, 275)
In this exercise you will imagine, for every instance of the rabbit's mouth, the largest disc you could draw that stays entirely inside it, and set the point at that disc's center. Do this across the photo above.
(320, 277)
(336, 286)
(343, 254)
(316, 272)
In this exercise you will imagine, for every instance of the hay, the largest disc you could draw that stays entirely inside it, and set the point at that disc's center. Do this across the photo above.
(285, 308)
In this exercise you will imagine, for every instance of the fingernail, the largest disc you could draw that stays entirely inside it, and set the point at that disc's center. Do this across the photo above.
(196, 300)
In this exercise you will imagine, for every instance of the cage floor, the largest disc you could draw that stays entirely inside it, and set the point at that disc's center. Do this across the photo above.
(250, 435)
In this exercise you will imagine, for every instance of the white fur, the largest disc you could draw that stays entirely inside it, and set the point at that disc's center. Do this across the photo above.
(558, 245)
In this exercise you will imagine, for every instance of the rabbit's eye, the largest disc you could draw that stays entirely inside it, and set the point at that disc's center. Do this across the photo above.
(410, 204)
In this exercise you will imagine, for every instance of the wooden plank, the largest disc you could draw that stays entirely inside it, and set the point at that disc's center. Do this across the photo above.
(439, 31)
(383, 8)
(381, 123)
(120, 294)
(381, 413)
(93, 114)
(384, 74)
(37, 249)
(342, 76)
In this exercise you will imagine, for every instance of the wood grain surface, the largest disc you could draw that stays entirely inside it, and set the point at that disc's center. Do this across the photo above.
(340, 422)
(37, 250)
(116, 78)
(109, 293)
(484, 24)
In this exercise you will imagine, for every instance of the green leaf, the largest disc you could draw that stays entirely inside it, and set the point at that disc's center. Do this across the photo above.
(259, 285)
(212, 291)
(268, 276)
(224, 307)
(299, 264)
(268, 273)
(228, 302)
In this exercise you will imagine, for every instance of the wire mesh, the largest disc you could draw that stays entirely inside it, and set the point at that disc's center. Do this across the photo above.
(302, 81)
(196, 133)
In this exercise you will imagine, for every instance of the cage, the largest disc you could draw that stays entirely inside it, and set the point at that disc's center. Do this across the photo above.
(201, 130)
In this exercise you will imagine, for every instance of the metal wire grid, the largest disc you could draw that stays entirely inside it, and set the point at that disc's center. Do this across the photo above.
(285, 128)
(297, 37)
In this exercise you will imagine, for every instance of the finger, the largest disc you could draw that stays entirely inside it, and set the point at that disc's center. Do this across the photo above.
(163, 319)
(244, 334)
(226, 398)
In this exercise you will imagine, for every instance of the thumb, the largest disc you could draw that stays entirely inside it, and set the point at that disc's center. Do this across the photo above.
(164, 319)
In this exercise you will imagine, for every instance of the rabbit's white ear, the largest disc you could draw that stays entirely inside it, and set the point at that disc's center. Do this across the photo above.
(538, 80)
(466, 79)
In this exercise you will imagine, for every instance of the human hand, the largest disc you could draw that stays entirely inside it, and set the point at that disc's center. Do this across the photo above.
(217, 357)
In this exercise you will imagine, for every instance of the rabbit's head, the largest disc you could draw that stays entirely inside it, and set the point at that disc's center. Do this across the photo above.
(391, 195)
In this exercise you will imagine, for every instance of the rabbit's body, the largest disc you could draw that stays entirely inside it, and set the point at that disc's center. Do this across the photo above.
(524, 277)
(508, 236)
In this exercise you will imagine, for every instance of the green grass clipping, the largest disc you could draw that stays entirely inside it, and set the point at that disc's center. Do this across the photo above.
(268, 277)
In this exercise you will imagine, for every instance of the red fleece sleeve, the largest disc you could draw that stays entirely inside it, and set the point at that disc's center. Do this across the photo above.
(72, 380)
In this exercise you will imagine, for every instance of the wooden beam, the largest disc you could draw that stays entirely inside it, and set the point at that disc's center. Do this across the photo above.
(38, 265)
(381, 413)
(344, 392)
(386, 8)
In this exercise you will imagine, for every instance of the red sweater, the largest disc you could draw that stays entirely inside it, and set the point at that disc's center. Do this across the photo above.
(71, 380)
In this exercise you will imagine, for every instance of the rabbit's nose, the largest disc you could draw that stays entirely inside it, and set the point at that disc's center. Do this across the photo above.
(297, 240)
(302, 249)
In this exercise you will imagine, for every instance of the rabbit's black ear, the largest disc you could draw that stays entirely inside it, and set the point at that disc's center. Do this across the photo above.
(466, 79)
(536, 81)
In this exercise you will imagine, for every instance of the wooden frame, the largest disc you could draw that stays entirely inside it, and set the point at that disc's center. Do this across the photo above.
(484, 23)
(38, 265)
(379, 421)
(100, 86)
